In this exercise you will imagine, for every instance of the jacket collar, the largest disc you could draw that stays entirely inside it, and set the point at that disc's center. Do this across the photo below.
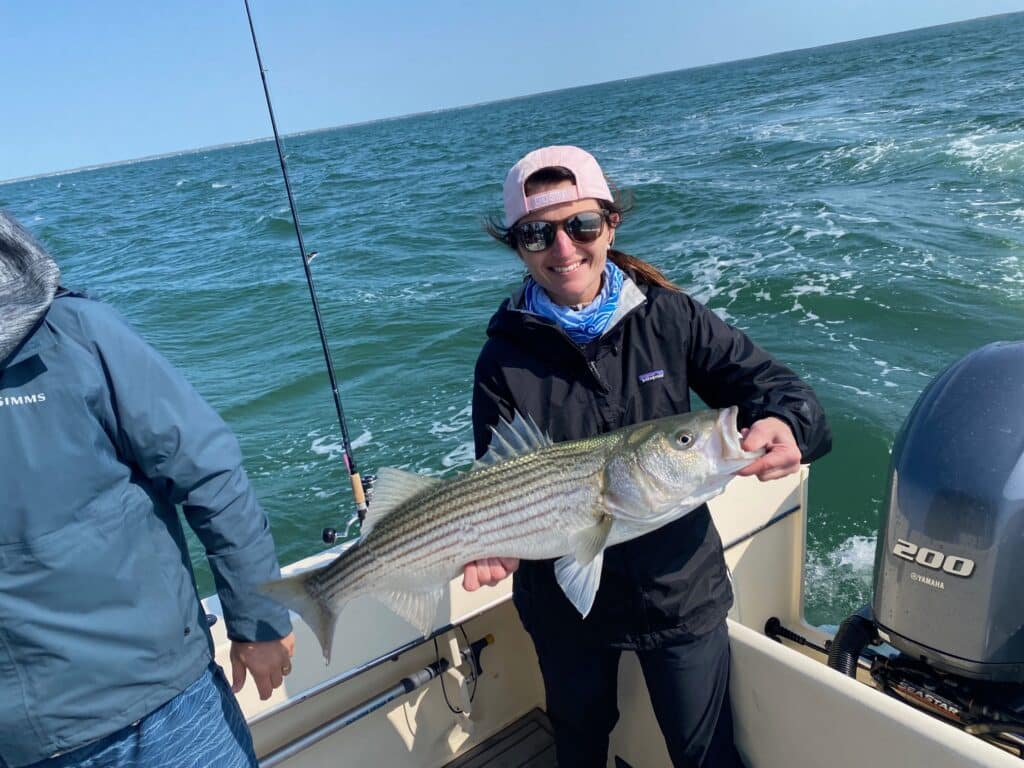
(37, 341)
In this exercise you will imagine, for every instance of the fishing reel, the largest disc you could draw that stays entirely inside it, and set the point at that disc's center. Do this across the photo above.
(331, 536)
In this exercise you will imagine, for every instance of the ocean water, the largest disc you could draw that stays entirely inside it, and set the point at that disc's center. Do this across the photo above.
(858, 209)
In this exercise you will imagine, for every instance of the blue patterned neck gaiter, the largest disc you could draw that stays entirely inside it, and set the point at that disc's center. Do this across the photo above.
(581, 325)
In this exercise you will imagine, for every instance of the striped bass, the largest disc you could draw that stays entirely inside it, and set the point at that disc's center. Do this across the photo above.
(527, 498)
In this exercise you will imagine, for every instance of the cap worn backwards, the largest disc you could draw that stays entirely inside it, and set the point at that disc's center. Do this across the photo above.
(590, 181)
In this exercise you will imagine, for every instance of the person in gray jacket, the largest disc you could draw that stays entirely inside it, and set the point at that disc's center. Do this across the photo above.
(105, 654)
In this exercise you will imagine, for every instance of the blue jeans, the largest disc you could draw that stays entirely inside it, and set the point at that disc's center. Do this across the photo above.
(200, 727)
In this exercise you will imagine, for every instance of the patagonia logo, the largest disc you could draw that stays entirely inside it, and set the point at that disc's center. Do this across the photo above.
(651, 376)
(12, 400)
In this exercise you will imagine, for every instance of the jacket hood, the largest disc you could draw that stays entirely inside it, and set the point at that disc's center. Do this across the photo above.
(28, 283)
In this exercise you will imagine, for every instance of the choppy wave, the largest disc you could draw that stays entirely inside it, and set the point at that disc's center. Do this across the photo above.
(990, 152)
(840, 577)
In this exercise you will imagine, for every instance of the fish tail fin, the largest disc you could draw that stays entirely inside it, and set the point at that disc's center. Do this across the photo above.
(293, 593)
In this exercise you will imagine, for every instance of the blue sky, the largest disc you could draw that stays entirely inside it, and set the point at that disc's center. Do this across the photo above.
(90, 82)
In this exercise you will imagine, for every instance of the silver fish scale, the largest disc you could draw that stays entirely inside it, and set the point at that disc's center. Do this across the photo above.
(526, 506)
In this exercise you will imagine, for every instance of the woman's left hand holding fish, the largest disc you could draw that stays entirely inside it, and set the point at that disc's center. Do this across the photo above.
(782, 456)
(488, 572)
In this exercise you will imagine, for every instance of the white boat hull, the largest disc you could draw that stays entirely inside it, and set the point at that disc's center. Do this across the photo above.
(791, 711)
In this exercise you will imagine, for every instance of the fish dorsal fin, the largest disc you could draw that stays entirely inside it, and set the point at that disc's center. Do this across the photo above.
(418, 608)
(508, 440)
(393, 488)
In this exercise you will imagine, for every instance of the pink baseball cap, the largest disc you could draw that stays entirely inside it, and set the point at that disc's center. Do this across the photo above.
(590, 181)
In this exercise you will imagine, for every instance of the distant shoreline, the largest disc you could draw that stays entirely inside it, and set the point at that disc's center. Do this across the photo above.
(132, 161)
(440, 110)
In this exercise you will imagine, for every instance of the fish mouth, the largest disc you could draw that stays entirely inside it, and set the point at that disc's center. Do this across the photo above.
(729, 433)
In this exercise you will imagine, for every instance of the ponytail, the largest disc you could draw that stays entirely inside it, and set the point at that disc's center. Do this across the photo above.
(642, 272)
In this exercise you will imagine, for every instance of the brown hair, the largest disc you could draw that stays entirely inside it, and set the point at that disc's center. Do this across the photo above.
(643, 272)
(622, 203)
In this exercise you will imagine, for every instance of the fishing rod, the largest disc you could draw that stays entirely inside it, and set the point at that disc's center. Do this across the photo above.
(358, 491)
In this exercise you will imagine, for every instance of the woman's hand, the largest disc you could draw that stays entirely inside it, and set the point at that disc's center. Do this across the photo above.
(782, 456)
(488, 572)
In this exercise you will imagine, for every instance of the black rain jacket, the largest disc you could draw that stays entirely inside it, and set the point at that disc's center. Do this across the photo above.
(670, 585)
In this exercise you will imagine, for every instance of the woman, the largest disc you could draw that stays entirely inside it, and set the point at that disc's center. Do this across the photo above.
(593, 341)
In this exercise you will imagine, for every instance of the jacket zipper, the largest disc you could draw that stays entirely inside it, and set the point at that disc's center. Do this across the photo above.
(592, 366)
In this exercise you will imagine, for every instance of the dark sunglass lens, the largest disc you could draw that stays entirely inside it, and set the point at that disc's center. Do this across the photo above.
(585, 227)
(535, 235)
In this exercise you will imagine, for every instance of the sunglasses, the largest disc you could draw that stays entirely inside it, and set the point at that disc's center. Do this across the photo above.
(536, 236)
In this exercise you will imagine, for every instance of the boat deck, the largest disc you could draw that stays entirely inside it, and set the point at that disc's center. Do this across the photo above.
(526, 743)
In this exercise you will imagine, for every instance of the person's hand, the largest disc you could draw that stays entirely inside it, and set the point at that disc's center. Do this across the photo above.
(782, 455)
(487, 573)
(269, 662)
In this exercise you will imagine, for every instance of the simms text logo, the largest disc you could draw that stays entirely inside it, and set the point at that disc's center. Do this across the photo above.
(12, 400)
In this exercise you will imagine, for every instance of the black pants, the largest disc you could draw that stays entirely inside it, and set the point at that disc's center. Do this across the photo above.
(689, 688)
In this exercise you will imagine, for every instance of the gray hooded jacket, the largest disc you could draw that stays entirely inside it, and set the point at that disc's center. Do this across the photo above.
(102, 441)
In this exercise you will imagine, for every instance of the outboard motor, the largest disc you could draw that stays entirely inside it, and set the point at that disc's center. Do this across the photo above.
(949, 567)
(949, 564)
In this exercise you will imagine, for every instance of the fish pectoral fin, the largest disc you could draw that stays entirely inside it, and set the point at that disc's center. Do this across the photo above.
(588, 543)
(393, 488)
(578, 581)
(418, 608)
(579, 574)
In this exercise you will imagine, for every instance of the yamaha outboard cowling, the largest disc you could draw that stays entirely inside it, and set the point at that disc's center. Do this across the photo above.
(949, 567)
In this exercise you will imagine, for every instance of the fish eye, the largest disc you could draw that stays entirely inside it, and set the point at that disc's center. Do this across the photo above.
(684, 439)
